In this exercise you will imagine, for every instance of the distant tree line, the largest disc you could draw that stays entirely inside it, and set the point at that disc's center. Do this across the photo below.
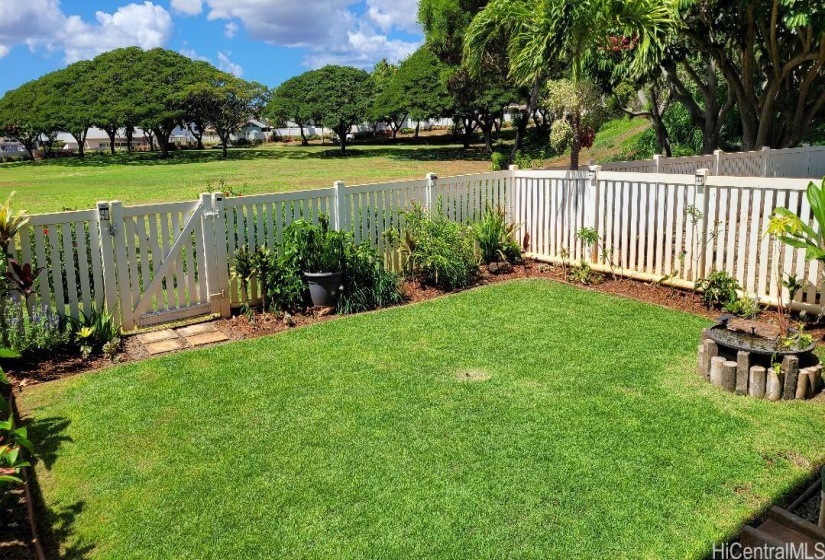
(128, 89)
(707, 74)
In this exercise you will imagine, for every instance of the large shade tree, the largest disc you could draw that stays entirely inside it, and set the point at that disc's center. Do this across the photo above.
(288, 103)
(538, 33)
(342, 96)
(771, 54)
(419, 78)
(227, 103)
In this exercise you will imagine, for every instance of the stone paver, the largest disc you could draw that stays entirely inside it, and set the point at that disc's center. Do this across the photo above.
(192, 330)
(157, 336)
(206, 338)
(167, 345)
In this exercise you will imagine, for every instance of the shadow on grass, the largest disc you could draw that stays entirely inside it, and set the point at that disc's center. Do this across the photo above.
(397, 152)
(55, 525)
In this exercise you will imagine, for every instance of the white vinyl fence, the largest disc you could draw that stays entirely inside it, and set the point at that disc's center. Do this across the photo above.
(163, 262)
(803, 162)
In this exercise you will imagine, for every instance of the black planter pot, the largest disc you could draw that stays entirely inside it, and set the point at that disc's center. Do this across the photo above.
(323, 287)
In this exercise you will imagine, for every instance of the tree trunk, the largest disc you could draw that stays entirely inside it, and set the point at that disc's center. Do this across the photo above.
(487, 131)
(341, 131)
(130, 131)
(111, 132)
(81, 142)
(468, 131)
(304, 141)
(417, 127)
(198, 135)
(576, 144)
(163, 142)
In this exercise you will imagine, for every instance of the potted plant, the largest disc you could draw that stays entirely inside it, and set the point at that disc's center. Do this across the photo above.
(320, 254)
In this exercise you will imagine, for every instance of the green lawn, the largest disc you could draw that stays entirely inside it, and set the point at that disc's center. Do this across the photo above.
(51, 186)
(592, 437)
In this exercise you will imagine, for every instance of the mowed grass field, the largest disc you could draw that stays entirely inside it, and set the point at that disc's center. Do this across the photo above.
(142, 178)
(520, 420)
(72, 183)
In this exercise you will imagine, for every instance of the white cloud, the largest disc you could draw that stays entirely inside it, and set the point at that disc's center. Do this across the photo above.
(4, 50)
(230, 29)
(190, 53)
(42, 24)
(144, 25)
(187, 7)
(227, 65)
(394, 14)
(332, 31)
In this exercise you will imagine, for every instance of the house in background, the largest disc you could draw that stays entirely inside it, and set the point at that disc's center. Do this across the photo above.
(11, 148)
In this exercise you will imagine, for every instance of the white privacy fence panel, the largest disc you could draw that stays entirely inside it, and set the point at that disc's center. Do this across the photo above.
(163, 262)
(67, 246)
(802, 162)
(661, 226)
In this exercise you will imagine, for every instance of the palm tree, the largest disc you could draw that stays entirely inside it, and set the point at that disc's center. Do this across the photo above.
(539, 33)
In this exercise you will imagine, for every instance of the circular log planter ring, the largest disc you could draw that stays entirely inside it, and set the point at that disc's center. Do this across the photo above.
(749, 364)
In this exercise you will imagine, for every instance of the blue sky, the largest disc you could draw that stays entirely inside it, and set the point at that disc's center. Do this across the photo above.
(264, 40)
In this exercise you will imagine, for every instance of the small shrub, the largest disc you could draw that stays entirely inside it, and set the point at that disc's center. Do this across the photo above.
(14, 444)
(94, 330)
(367, 284)
(495, 238)
(40, 335)
(498, 161)
(745, 306)
(584, 274)
(718, 289)
(435, 250)
(561, 134)
(316, 247)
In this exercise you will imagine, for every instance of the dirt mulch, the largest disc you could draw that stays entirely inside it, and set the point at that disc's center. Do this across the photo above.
(242, 327)
(15, 530)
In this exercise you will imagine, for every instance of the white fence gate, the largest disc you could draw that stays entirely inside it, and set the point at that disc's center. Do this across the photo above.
(167, 262)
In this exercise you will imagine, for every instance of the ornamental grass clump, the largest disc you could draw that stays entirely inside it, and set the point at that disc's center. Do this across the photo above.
(435, 250)
(496, 238)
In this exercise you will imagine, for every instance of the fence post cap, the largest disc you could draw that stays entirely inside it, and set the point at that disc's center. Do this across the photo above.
(717, 152)
(513, 167)
(432, 176)
(766, 148)
(338, 184)
(657, 156)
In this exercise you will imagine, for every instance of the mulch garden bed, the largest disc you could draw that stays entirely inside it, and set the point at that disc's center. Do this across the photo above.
(241, 327)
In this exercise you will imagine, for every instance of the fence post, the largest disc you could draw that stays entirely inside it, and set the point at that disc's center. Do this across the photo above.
(592, 205)
(339, 206)
(210, 246)
(511, 193)
(106, 232)
(430, 194)
(717, 156)
(656, 161)
(807, 159)
(122, 265)
(221, 256)
(701, 190)
(765, 152)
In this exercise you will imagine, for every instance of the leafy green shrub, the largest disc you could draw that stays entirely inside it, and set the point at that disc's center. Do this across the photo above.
(367, 284)
(316, 247)
(746, 307)
(95, 330)
(495, 238)
(14, 444)
(561, 134)
(498, 161)
(718, 289)
(437, 251)
(39, 335)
